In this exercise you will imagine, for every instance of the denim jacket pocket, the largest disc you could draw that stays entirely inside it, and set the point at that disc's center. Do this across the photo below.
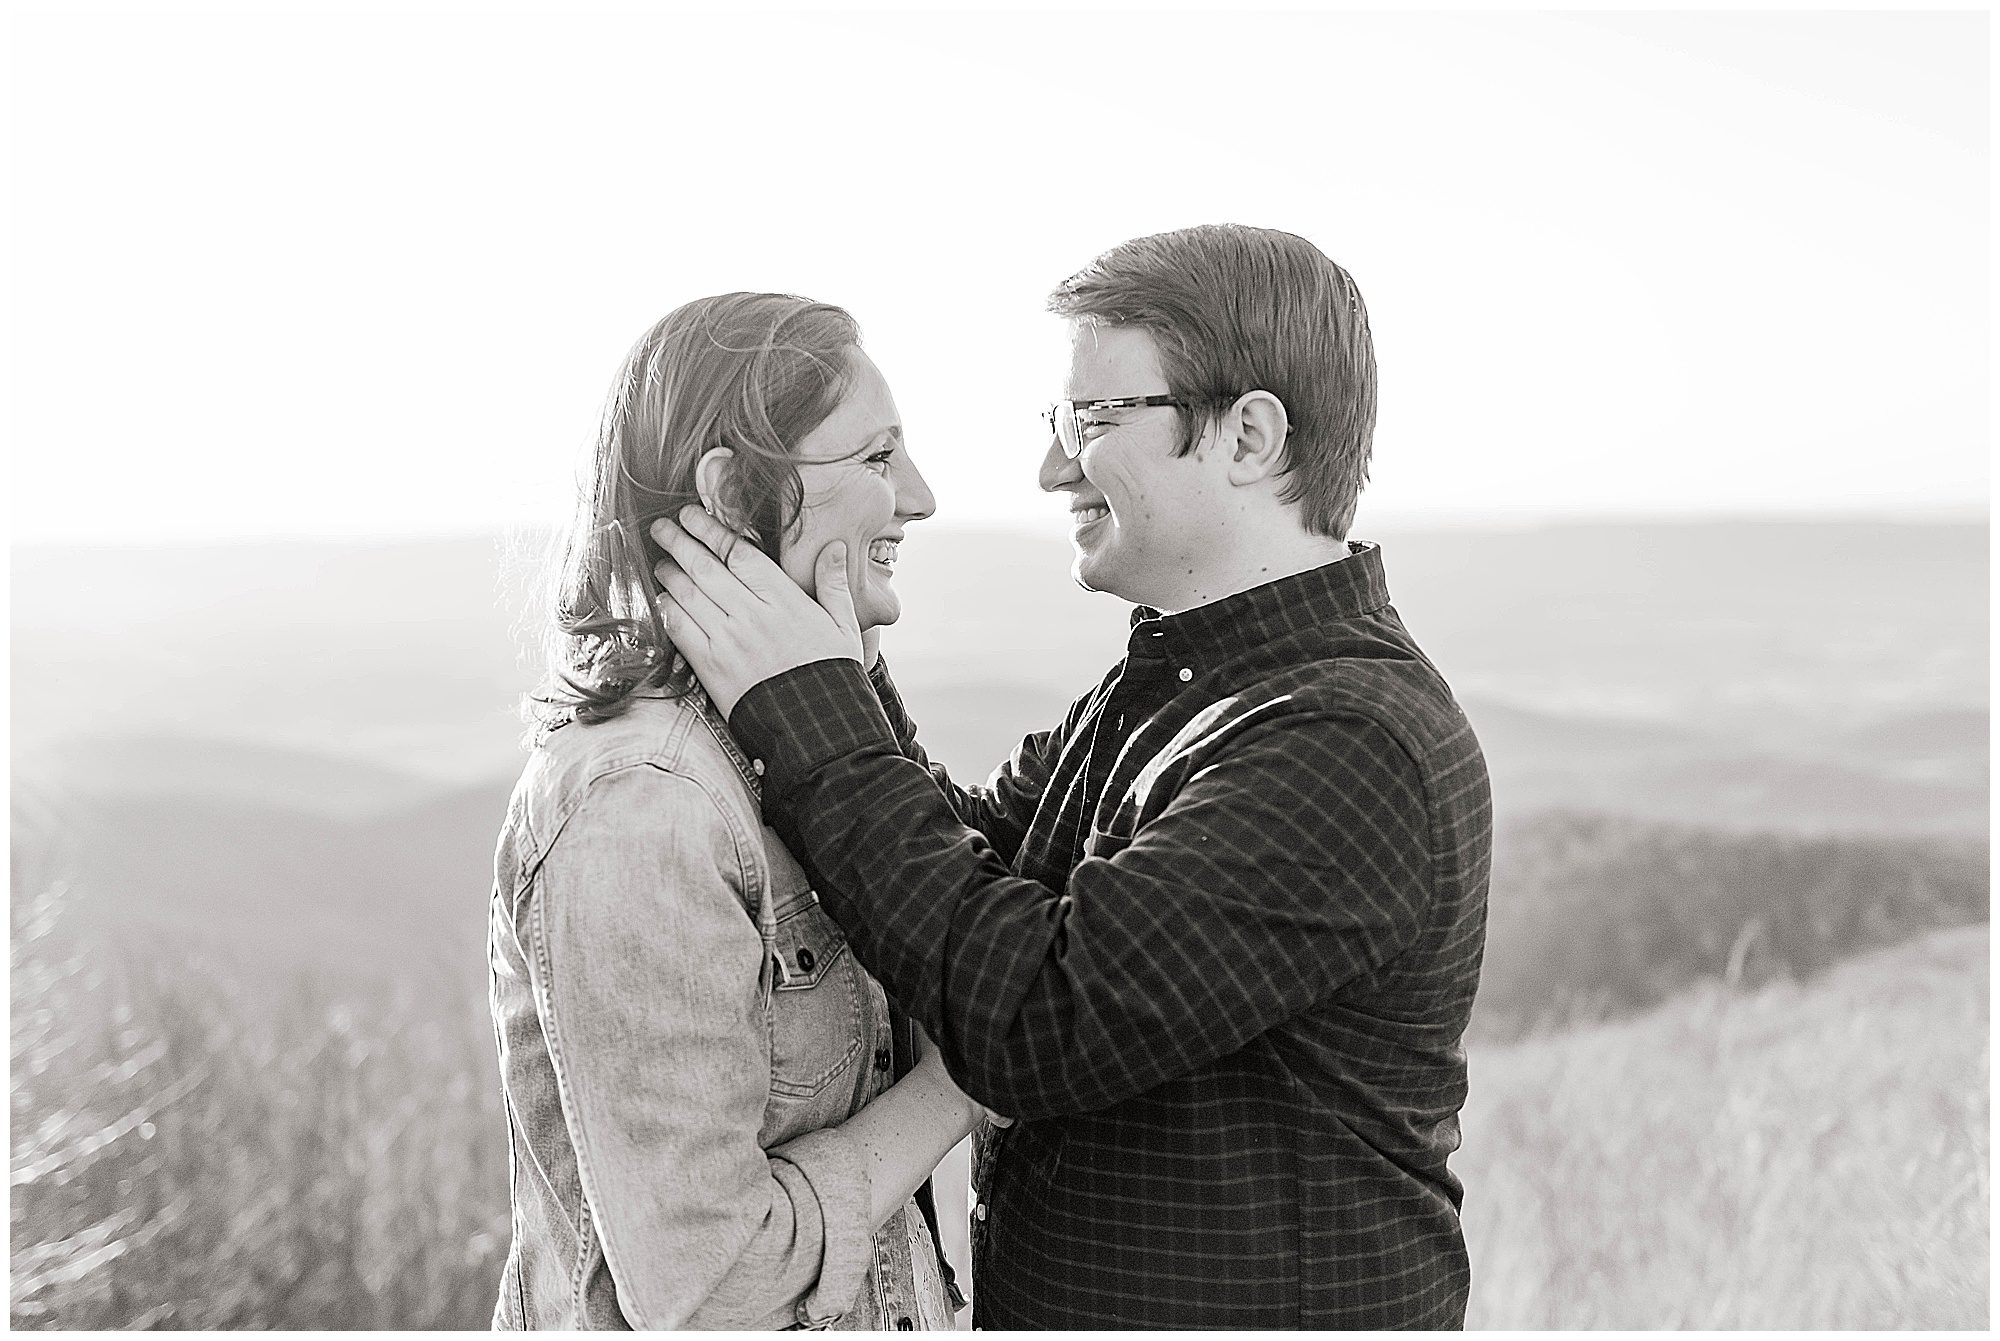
(817, 1019)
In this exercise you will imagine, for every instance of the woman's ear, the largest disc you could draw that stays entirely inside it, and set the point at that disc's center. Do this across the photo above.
(710, 475)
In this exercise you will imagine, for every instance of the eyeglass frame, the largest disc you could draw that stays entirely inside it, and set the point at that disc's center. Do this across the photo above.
(1071, 407)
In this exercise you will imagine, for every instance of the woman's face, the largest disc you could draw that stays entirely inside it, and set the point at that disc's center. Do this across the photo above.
(861, 487)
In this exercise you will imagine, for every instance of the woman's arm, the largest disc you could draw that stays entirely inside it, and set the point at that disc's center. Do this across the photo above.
(906, 1130)
(646, 967)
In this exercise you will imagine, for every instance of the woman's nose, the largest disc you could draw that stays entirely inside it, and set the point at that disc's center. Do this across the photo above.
(913, 492)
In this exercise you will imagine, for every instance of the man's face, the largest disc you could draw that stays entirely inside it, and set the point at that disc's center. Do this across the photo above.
(1144, 521)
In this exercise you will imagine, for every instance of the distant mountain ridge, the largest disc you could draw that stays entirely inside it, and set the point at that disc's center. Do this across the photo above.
(1786, 660)
(223, 772)
(1729, 623)
(312, 744)
(1927, 777)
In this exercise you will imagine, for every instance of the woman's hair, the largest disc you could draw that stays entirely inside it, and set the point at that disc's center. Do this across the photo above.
(753, 372)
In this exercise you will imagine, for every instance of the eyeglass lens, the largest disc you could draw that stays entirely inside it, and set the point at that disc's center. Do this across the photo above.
(1062, 419)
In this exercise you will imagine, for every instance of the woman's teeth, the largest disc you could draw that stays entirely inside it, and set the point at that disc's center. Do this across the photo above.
(883, 552)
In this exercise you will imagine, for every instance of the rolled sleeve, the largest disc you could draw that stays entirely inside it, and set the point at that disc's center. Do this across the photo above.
(646, 967)
(835, 1175)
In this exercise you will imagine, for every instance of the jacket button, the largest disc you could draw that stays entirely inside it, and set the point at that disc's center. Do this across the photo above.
(905, 1325)
(806, 959)
(881, 1059)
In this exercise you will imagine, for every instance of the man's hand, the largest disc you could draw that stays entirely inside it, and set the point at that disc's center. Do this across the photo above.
(734, 614)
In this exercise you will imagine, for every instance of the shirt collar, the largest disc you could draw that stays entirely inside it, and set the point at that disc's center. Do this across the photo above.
(1200, 637)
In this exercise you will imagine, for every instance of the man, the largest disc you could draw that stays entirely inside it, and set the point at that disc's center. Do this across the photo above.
(1213, 940)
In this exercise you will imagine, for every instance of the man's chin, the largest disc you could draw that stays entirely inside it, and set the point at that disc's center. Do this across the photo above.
(1091, 569)
(1110, 574)
(1079, 572)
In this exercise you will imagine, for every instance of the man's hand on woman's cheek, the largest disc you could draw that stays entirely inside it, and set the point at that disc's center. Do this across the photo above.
(736, 616)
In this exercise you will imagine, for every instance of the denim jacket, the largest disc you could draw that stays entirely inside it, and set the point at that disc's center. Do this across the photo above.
(681, 1031)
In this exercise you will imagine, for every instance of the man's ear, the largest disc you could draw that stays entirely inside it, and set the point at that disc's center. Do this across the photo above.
(711, 475)
(1262, 426)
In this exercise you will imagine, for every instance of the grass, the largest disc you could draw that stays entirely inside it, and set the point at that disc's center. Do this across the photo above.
(188, 1153)
(1796, 1157)
(192, 1148)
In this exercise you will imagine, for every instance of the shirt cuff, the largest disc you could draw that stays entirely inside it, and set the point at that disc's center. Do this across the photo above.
(796, 722)
(832, 1166)
(893, 710)
(879, 681)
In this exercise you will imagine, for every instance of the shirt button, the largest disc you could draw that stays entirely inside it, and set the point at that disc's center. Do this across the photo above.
(1186, 675)
(979, 1211)
(881, 1059)
(757, 766)
(806, 960)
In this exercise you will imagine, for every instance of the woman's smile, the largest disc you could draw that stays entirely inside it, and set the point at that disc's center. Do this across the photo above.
(859, 479)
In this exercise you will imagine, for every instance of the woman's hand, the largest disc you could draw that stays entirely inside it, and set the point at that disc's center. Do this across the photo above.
(928, 1055)
(737, 618)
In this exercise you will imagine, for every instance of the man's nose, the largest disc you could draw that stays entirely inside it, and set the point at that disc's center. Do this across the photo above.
(913, 492)
(1057, 470)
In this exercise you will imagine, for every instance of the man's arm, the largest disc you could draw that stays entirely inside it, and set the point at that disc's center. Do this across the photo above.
(1292, 863)
(1002, 809)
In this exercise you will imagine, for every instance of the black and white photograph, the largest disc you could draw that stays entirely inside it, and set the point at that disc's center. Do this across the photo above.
(679, 667)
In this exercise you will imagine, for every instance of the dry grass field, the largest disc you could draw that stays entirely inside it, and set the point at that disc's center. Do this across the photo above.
(189, 1154)
(1796, 1157)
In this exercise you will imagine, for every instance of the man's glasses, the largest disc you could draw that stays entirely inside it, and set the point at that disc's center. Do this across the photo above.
(1063, 422)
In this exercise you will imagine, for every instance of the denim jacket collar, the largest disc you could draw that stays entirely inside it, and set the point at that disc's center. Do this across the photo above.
(697, 698)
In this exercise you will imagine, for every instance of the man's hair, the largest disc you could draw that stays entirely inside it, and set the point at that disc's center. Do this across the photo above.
(1235, 309)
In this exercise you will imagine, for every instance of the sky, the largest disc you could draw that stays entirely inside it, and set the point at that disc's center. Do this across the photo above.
(298, 273)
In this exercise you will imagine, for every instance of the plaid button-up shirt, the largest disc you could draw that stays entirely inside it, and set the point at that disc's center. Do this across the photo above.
(1213, 942)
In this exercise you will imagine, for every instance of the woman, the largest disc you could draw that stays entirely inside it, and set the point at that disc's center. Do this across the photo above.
(715, 1118)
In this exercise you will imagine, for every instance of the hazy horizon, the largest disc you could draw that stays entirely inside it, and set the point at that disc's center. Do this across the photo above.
(414, 652)
(1419, 521)
(1752, 277)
